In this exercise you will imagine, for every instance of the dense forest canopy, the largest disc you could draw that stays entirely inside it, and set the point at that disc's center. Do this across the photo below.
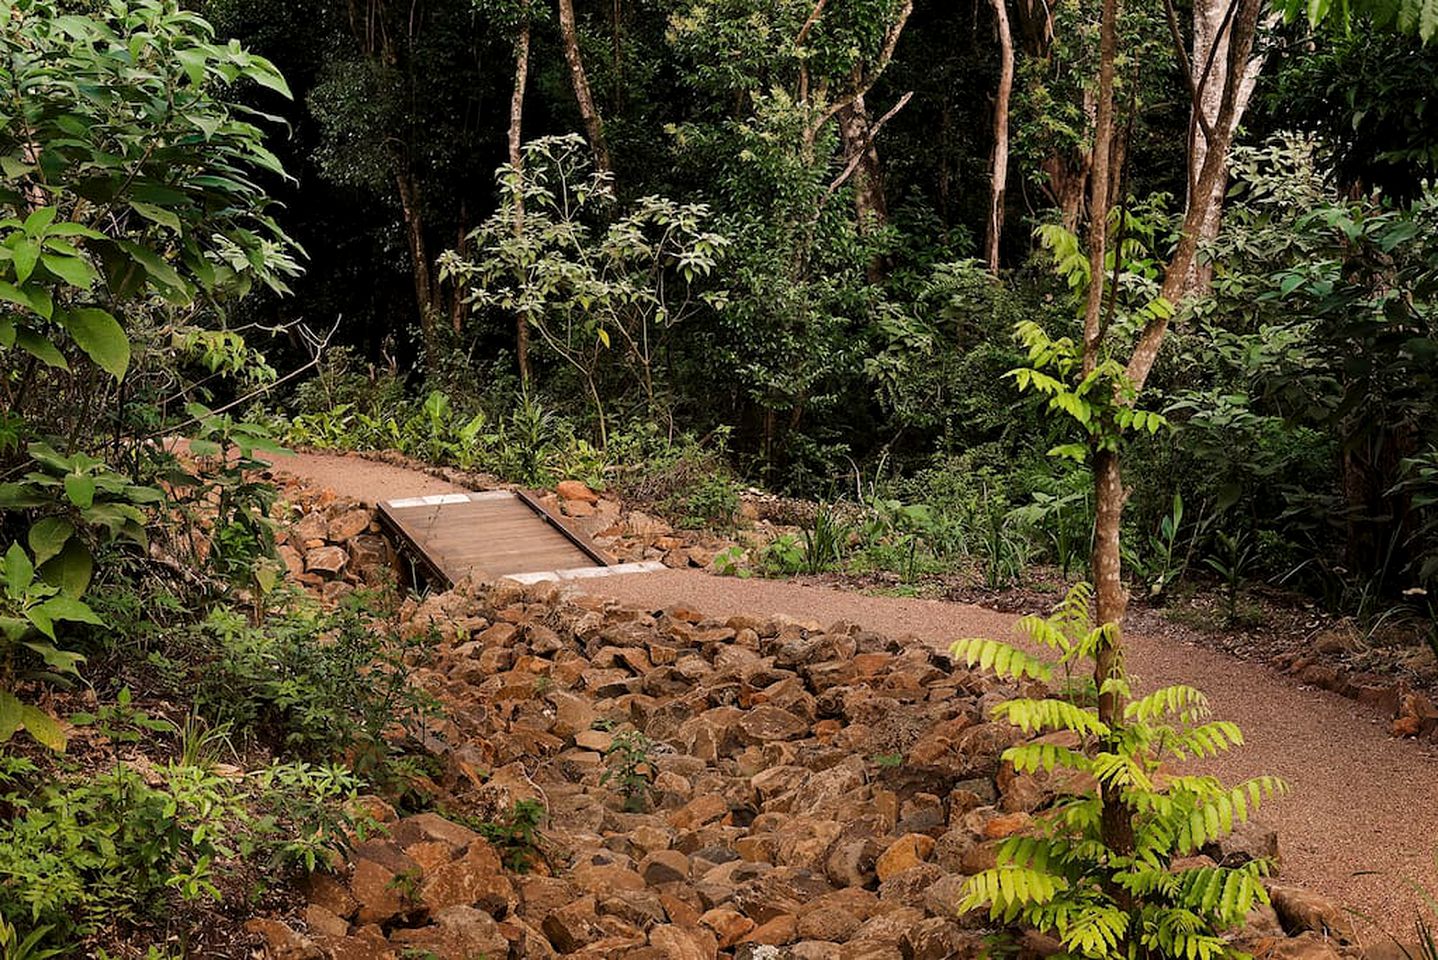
(831, 313)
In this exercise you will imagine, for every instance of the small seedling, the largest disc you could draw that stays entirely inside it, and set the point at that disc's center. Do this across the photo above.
(633, 769)
(516, 835)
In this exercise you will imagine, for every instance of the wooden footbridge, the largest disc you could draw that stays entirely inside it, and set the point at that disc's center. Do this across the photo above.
(493, 534)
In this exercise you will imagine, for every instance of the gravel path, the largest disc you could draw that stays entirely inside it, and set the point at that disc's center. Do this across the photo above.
(1362, 817)
(361, 479)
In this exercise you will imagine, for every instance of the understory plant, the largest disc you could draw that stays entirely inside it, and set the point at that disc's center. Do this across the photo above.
(1067, 876)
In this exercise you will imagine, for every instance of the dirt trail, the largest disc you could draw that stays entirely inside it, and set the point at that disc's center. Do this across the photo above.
(1363, 813)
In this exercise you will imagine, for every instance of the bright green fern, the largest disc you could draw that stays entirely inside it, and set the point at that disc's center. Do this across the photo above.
(1103, 900)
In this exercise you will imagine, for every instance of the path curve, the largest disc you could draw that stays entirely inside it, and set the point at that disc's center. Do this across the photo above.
(1362, 817)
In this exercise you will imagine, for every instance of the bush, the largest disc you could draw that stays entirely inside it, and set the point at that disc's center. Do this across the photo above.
(312, 685)
(81, 855)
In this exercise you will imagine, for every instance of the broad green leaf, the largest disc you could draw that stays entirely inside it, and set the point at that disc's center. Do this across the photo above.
(48, 536)
(73, 270)
(43, 727)
(26, 255)
(154, 265)
(17, 496)
(61, 661)
(13, 169)
(10, 715)
(193, 60)
(68, 608)
(80, 488)
(264, 73)
(7, 333)
(101, 337)
(39, 221)
(71, 569)
(13, 294)
(156, 214)
(19, 571)
(41, 349)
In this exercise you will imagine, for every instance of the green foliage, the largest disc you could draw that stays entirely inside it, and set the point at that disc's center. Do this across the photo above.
(631, 769)
(826, 541)
(516, 835)
(315, 685)
(82, 854)
(598, 288)
(126, 192)
(1062, 877)
(1232, 563)
(15, 947)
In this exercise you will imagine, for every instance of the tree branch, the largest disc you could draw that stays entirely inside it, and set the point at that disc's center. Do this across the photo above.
(858, 156)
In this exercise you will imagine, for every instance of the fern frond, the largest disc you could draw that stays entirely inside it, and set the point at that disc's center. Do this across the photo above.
(1099, 638)
(1175, 932)
(1121, 769)
(1179, 701)
(1096, 932)
(1206, 739)
(1009, 889)
(1225, 893)
(1002, 659)
(1030, 715)
(1217, 816)
(1046, 632)
(1028, 757)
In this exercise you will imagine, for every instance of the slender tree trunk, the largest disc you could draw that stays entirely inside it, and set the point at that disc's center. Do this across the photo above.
(1106, 561)
(999, 169)
(593, 123)
(424, 286)
(1211, 38)
(516, 160)
(1099, 180)
(1205, 176)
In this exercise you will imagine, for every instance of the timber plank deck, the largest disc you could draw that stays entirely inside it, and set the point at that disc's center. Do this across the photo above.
(495, 533)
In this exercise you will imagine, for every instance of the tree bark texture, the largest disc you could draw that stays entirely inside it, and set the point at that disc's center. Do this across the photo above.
(1099, 181)
(426, 292)
(1210, 61)
(1205, 176)
(999, 168)
(858, 134)
(588, 112)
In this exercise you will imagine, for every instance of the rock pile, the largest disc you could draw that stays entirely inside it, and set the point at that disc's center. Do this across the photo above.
(801, 791)
(330, 544)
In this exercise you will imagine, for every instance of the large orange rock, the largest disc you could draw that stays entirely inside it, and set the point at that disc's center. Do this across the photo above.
(908, 851)
(576, 490)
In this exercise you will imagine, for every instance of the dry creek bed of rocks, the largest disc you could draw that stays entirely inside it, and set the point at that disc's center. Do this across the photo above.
(780, 824)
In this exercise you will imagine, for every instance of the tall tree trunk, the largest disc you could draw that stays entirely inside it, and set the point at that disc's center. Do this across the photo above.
(1210, 65)
(425, 292)
(516, 160)
(1106, 560)
(999, 168)
(593, 123)
(1205, 176)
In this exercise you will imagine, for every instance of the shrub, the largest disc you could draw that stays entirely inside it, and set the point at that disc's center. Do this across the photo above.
(79, 855)
(1107, 889)
(313, 685)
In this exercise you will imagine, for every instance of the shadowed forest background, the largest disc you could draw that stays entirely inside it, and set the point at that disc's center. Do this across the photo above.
(834, 330)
